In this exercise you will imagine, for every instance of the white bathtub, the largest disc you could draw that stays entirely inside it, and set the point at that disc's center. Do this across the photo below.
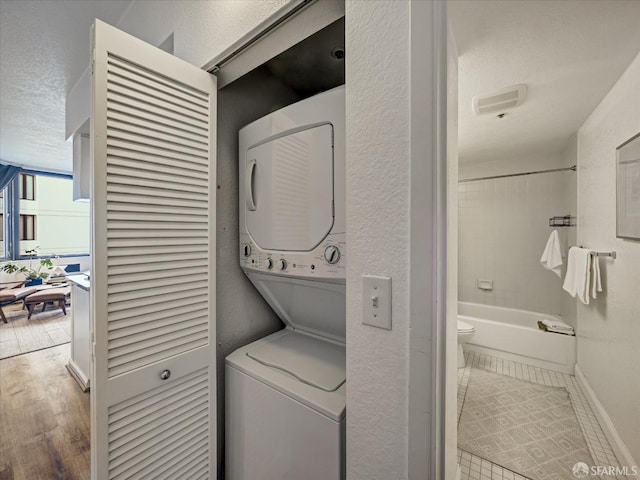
(513, 334)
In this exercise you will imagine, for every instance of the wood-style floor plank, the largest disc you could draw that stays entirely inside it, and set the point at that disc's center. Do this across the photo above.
(44, 418)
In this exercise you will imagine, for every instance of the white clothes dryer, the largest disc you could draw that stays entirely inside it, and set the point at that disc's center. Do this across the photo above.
(286, 393)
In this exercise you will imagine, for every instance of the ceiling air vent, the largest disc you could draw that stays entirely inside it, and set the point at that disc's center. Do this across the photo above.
(501, 100)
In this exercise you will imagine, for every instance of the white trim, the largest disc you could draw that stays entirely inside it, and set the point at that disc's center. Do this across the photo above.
(618, 445)
(428, 254)
(78, 376)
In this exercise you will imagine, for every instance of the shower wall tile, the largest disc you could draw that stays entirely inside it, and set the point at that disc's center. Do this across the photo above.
(503, 229)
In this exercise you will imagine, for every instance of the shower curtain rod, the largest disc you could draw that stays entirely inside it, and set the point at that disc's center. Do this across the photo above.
(573, 169)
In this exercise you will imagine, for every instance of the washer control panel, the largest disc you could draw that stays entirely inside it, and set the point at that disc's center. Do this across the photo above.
(327, 260)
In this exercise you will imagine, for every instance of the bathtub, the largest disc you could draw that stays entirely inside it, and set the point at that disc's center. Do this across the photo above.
(513, 334)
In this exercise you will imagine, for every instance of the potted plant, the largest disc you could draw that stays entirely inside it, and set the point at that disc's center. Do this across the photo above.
(34, 276)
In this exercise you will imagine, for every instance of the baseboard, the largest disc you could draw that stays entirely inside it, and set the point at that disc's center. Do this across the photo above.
(78, 376)
(616, 442)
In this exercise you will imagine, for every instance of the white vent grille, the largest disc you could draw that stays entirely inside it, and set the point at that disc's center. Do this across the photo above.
(162, 434)
(500, 101)
(157, 217)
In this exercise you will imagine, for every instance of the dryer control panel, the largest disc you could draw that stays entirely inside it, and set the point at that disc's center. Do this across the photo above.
(327, 261)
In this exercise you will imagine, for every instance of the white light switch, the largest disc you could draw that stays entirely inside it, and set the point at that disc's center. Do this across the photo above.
(376, 298)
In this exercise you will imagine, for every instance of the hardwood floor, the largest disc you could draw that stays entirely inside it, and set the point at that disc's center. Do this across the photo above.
(44, 419)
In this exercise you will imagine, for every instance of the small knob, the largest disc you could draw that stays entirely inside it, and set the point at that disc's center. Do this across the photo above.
(282, 264)
(269, 263)
(165, 374)
(246, 250)
(332, 254)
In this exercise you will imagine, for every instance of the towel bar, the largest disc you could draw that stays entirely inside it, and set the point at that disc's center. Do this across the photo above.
(604, 254)
(611, 254)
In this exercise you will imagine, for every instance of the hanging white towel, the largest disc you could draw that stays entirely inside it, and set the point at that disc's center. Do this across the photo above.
(577, 280)
(552, 256)
(596, 282)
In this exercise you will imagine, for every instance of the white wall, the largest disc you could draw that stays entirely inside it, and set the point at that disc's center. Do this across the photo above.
(609, 328)
(389, 88)
(503, 229)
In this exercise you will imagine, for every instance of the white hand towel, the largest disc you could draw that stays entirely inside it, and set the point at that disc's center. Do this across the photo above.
(558, 326)
(552, 256)
(596, 282)
(576, 282)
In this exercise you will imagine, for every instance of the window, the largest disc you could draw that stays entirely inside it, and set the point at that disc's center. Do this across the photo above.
(27, 227)
(27, 186)
(47, 220)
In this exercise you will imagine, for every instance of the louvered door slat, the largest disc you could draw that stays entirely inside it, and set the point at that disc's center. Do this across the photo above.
(153, 254)
(157, 122)
(152, 190)
(138, 170)
(176, 301)
(134, 151)
(123, 431)
(149, 77)
(166, 127)
(144, 435)
(116, 200)
(140, 304)
(195, 463)
(156, 266)
(126, 335)
(154, 94)
(150, 164)
(129, 133)
(118, 284)
(149, 251)
(146, 258)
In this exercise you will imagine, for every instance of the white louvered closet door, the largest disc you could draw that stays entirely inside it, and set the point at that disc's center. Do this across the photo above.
(153, 263)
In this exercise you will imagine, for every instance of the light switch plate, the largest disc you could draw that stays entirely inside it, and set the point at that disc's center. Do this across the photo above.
(376, 301)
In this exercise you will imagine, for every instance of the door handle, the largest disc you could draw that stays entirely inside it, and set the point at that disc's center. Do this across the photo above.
(251, 169)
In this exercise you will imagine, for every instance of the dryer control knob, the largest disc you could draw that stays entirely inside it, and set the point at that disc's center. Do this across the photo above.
(332, 254)
(269, 263)
(246, 250)
(282, 264)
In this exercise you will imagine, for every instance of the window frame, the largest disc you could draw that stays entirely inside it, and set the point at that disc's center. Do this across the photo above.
(23, 182)
(25, 219)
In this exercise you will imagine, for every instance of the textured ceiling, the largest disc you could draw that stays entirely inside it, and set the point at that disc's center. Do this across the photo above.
(569, 53)
(44, 48)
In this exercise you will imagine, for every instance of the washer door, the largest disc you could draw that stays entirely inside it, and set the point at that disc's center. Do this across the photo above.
(289, 190)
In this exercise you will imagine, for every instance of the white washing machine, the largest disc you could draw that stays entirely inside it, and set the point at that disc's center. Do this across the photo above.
(286, 393)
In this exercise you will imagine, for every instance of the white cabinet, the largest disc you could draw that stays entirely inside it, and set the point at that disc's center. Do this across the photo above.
(79, 364)
(81, 167)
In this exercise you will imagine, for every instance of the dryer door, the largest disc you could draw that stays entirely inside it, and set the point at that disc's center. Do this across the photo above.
(289, 190)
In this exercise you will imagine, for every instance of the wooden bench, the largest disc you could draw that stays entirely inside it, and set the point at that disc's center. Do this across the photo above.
(51, 295)
(7, 297)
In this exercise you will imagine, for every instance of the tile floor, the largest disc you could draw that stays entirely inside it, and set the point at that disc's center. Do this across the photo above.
(475, 468)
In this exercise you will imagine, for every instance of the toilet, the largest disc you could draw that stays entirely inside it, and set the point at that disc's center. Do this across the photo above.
(465, 332)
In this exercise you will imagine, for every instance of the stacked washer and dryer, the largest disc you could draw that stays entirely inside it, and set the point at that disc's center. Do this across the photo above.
(286, 393)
